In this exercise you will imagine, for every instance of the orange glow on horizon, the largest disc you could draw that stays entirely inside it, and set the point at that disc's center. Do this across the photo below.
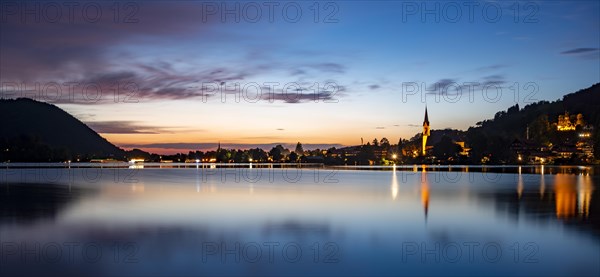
(125, 140)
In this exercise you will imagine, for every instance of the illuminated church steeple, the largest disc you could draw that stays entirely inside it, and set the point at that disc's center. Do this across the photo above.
(426, 131)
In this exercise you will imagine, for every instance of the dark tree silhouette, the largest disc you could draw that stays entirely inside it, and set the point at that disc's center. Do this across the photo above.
(446, 148)
(299, 149)
(276, 153)
(384, 142)
(293, 157)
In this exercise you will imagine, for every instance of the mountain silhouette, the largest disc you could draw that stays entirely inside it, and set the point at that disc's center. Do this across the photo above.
(36, 131)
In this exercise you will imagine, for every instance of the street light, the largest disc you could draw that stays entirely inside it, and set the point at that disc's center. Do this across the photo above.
(394, 156)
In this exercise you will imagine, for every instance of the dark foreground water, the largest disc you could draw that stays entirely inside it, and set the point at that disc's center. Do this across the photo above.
(289, 222)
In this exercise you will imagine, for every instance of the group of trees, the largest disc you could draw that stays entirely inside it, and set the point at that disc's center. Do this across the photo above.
(277, 154)
(30, 149)
(374, 152)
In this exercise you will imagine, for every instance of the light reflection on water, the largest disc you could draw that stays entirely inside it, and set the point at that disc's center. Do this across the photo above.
(263, 221)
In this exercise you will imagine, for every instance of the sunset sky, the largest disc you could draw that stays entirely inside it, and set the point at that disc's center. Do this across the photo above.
(354, 56)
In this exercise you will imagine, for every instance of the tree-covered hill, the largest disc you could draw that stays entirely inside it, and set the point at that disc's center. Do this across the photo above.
(34, 131)
(493, 137)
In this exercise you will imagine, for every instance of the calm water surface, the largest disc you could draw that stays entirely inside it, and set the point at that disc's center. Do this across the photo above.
(530, 221)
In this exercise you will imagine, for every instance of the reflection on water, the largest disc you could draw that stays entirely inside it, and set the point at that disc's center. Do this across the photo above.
(408, 221)
(395, 185)
(30, 202)
(584, 195)
(424, 192)
(542, 186)
(566, 197)
(572, 193)
(573, 198)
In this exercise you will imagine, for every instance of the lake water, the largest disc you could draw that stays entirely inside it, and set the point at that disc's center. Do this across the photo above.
(339, 221)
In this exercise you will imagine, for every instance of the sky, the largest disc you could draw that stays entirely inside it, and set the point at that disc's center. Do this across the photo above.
(174, 76)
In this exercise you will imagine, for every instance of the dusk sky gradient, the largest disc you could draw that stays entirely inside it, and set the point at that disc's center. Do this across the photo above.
(368, 49)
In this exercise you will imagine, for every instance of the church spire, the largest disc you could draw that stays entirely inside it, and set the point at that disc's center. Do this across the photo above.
(426, 133)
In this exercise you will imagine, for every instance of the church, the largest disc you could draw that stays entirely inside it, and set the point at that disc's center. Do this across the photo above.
(426, 133)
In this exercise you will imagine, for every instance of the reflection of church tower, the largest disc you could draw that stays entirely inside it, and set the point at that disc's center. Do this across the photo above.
(426, 131)
(425, 193)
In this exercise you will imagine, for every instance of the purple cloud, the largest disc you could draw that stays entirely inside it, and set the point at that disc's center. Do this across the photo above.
(123, 127)
(579, 51)
(75, 44)
(105, 55)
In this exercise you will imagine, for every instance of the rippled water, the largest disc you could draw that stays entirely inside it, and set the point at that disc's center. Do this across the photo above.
(412, 221)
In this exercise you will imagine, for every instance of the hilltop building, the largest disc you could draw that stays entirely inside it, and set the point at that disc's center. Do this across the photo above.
(568, 122)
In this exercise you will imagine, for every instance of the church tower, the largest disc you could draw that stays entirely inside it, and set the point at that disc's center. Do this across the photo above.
(426, 131)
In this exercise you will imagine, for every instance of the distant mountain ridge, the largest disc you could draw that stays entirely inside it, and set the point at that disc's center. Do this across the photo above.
(38, 131)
